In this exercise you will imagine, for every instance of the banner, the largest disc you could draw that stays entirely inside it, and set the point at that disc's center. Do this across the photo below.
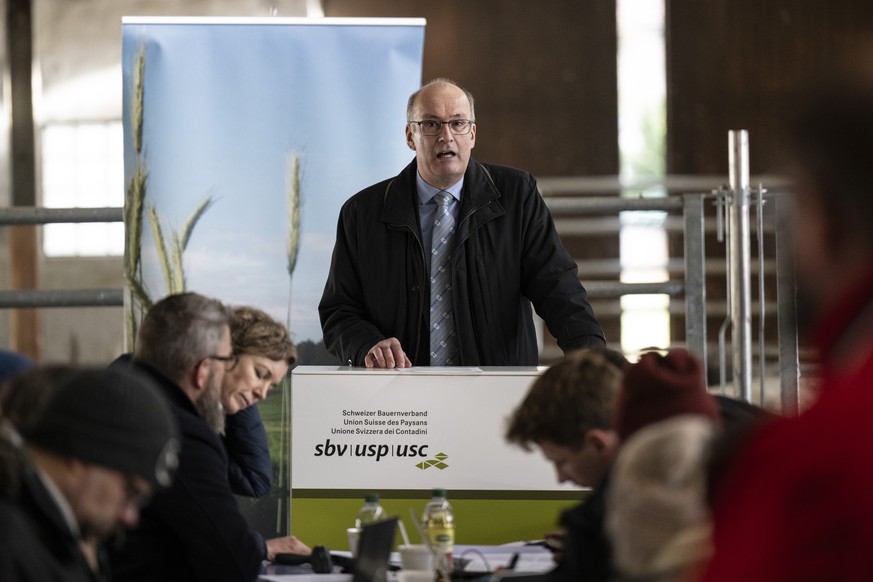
(242, 139)
(411, 429)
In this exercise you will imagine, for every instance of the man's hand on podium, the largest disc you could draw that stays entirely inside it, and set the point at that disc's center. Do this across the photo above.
(388, 353)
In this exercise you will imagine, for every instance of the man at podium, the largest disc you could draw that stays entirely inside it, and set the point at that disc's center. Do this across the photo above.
(439, 266)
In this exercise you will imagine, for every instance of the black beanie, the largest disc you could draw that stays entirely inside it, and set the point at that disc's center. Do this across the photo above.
(113, 418)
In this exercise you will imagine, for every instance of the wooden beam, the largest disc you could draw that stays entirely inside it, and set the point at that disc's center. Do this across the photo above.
(24, 241)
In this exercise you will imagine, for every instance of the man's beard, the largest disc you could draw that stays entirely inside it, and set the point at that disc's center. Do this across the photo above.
(209, 405)
(88, 530)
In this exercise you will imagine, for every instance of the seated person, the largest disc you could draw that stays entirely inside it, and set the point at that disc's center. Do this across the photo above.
(265, 354)
(194, 530)
(657, 517)
(661, 532)
(12, 363)
(95, 445)
(22, 400)
(568, 414)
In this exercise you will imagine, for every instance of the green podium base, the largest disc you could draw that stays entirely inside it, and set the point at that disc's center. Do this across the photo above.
(481, 517)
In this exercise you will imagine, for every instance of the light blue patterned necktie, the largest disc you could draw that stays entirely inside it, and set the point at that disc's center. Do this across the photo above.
(443, 342)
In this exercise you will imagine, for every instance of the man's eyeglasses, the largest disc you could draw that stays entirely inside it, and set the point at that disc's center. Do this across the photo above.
(136, 492)
(434, 127)
(229, 361)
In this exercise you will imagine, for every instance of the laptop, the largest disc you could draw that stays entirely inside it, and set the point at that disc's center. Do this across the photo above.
(374, 550)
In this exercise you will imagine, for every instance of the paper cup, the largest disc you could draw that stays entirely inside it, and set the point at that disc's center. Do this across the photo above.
(416, 557)
(415, 576)
(354, 534)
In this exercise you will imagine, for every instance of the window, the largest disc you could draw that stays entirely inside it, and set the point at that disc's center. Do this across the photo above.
(645, 320)
(83, 166)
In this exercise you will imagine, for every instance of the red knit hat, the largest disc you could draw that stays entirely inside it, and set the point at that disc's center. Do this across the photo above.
(658, 387)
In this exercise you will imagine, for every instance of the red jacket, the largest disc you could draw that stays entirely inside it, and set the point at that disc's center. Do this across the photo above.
(798, 503)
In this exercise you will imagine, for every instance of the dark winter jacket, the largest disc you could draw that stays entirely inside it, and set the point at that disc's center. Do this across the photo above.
(194, 530)
(250, 470)
(587, 555)
(507, 256)
(36, 545)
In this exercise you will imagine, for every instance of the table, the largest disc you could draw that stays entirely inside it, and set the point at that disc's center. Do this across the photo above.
(484, 559)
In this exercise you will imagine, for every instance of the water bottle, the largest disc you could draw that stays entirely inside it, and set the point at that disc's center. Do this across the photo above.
(439, 525)
(371, 512)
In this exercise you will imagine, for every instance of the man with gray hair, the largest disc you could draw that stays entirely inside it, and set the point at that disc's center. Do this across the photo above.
(194, 530)
(186, 338)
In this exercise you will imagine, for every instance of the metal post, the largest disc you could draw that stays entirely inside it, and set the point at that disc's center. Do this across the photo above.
(740, 273)
(786, 297)
(724, 235)
(695, 277)
(762, 303)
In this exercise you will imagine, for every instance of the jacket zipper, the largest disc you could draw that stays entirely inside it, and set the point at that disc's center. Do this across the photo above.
(417, 238)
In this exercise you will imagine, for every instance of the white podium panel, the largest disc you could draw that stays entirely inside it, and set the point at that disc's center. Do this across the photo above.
(354, 428)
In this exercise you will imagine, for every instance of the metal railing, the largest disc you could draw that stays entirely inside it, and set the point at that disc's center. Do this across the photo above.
(735, 202)
(39, 298)
(734, 228)
(21, 216)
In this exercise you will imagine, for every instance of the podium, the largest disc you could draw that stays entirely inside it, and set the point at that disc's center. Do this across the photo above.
(400, 433)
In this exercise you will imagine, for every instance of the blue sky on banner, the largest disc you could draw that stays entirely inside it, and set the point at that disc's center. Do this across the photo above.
(225, 104)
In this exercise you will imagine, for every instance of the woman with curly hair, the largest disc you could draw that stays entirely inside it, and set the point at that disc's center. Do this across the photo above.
(264, 354)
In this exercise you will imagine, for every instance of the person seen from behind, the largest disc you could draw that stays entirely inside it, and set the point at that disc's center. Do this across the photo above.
(795, 504)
